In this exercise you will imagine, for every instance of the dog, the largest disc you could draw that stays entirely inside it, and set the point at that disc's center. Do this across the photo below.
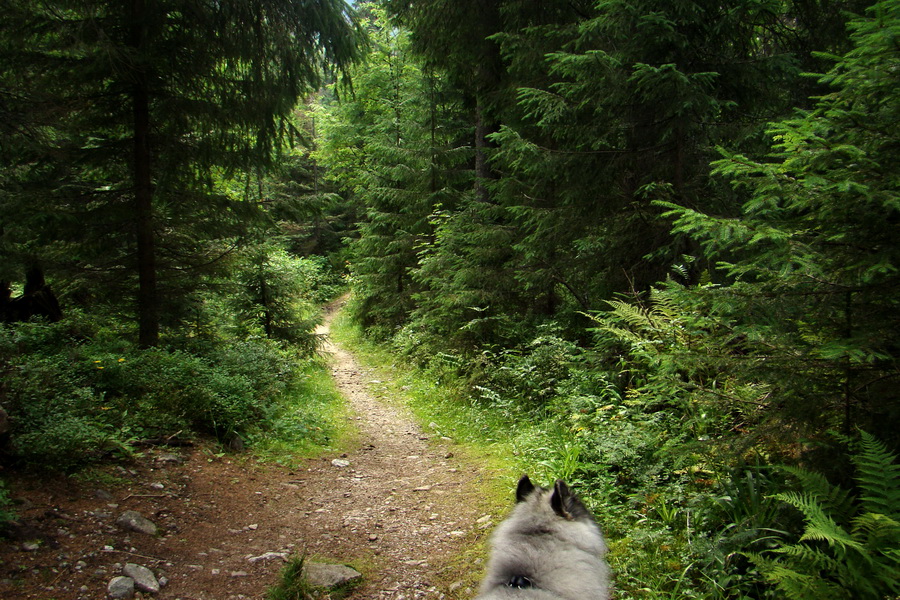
(549, 548)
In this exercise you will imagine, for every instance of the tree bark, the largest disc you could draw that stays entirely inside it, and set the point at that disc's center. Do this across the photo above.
(482, 169)
(147, 300)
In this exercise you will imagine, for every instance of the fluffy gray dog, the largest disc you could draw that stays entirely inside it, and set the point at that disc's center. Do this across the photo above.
(549, 548)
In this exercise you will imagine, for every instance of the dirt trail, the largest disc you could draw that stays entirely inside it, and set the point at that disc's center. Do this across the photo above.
(400, 507)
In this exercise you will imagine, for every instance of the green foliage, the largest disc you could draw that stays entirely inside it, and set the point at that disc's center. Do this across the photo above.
(811, 261)
(389, 146)
(583, 114)
(293, 584)
(276, 295)
(131, 136)
(76, 394)
(850, 547)
(311, 416)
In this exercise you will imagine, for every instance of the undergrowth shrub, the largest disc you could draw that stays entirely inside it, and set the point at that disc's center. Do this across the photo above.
(276, 294)
(532, 374)
(76, 393)
(850, 545)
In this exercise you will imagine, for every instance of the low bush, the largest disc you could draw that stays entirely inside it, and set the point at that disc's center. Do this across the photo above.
(76, 393)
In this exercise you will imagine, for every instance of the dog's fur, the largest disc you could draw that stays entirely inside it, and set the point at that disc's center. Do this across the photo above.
(549, 548)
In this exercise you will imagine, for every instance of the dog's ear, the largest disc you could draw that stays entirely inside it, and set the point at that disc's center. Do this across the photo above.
(566, 504)
(524, 488)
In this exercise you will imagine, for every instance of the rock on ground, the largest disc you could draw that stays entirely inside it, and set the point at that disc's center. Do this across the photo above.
(121, 587)
(144, 579)
(329, 576)
(135, 521)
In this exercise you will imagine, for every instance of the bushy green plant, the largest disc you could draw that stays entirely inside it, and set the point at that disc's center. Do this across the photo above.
(274, 296)
(850, 546)
(223, 394)
(76, 393)
(534, 373)
(293, 584)
(57, 416)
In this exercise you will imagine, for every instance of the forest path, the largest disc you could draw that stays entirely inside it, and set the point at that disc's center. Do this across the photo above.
(399, 505)
(404, 495)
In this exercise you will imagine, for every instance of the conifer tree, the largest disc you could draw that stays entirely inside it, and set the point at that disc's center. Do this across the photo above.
(812, 259)
(626, 108)
(151, 103)
(386, 144)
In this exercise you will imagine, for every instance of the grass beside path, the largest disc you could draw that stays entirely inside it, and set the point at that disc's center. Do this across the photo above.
(311, 421)
(506, 444)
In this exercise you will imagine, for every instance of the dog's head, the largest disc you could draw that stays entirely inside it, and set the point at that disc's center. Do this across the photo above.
(562, 500)
(549, 547)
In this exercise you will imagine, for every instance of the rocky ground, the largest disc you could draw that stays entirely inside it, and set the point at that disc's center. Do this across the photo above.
(401, 507)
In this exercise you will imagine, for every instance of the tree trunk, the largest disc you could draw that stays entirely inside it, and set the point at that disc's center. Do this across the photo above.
(482, 169)
(147, 300)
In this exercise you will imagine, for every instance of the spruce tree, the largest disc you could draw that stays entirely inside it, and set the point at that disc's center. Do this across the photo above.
(812, 259)
(386, 145)
(151, 104)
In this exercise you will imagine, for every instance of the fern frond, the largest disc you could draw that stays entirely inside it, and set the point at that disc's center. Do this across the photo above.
(795, 584)
(665, 306)
(878, 532)
(634, 315)
(820, 527)
(812, 560)
(878, 475)
(833, 500)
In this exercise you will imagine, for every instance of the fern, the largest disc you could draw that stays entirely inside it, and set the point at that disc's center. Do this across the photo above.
(879, 478)
(850, 547)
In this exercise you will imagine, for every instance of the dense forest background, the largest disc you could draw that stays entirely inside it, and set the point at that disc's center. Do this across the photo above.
(665, 232)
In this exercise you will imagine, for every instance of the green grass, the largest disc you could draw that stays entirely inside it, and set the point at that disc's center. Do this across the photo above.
(292, 585)
(311, 421)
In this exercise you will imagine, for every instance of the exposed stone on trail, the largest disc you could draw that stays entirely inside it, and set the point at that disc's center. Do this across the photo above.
(135, 521)
(121, 587)
(268, 556)
(170, 459)
(329, 576)
(144, 579)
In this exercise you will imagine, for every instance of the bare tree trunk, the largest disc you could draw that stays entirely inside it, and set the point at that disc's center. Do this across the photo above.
(147, 300)
(482, 169)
